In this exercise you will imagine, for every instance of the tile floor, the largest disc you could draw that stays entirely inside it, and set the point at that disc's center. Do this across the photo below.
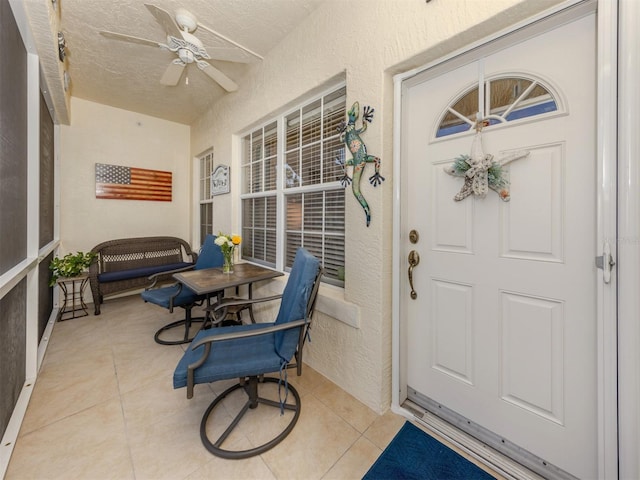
(104, 408)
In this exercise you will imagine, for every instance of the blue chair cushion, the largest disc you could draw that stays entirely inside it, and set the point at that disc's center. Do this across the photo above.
(139, 272)
(210, 255)
(231, 359)
(162, 296)
(294, 301)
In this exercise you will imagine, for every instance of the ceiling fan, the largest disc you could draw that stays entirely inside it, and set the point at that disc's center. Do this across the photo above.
(189, 48)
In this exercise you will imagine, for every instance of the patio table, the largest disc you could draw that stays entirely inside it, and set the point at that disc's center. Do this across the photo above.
(213, 281)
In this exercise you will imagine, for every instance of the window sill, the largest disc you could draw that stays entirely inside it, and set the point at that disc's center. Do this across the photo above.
(330, 302)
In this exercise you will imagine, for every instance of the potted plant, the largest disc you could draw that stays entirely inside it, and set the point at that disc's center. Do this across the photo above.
(69, 266)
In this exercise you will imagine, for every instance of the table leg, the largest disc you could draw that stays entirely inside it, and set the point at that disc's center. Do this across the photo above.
(253, 320)
(210, 316)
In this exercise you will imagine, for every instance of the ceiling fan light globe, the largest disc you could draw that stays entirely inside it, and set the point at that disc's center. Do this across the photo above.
(186, 55)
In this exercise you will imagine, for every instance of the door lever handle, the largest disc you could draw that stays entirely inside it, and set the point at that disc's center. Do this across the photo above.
(414, 259)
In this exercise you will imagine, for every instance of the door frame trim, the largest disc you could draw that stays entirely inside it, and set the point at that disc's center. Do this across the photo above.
(607, 138)
(629, 241)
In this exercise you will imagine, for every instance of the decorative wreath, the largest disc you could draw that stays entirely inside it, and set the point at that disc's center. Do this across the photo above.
(481, 172)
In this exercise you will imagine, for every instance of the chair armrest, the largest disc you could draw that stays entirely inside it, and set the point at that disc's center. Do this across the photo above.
(156, 276)
(171, 298)
(248, 333)
(232, 302)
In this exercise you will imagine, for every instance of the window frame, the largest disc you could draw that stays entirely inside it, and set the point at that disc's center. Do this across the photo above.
(204, 185)
(496, 120)
(282, 192)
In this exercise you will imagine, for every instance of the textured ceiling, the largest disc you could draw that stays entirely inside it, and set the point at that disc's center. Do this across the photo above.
(127, 76)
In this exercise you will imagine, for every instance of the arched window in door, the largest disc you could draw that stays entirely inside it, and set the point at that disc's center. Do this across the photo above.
(500, 100)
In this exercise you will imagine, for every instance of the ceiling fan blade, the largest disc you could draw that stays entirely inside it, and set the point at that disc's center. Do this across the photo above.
(172, 74)
(229, 54)
(228, 40)
(129, 38)
(215, 74)
(165, 19)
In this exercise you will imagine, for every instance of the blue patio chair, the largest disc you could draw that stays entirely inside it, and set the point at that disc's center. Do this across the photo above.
(177, 295)
(248, 352)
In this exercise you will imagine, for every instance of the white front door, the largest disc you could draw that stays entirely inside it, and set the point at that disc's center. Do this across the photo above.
(503, 328)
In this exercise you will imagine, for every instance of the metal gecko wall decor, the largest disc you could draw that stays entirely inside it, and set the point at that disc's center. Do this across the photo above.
(481, 172)
(350, 135)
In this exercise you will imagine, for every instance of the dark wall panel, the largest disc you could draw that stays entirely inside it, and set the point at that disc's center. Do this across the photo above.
(13, 311)
(13, 142)
(46, 174)
(45, 295)
(13, 209)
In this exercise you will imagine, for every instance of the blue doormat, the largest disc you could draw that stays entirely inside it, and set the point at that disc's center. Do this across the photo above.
(412, 454)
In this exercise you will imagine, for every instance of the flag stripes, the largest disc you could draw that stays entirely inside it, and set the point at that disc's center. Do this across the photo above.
(128, 183)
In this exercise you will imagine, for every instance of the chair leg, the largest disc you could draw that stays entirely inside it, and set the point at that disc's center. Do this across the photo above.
(254, 400)
(186, 322)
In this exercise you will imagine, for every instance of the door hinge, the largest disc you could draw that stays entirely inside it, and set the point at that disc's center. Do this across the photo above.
(605, 263)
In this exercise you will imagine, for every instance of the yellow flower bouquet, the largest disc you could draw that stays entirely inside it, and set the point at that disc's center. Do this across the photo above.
(227, 244)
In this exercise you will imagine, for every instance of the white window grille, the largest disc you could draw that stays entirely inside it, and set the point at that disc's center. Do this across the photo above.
(497, 101)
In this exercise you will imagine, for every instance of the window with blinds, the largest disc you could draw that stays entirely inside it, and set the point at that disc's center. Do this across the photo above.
(291, 168)
(206, 201)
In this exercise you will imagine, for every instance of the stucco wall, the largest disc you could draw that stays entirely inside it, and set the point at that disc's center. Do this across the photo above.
(102, 134)
(366, 42)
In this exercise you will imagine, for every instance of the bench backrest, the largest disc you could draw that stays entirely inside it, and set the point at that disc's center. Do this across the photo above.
(130, 253)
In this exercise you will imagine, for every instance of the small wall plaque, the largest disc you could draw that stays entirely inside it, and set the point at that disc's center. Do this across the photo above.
(220, 180)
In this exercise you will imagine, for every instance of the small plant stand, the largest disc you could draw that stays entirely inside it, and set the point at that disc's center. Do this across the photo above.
(73, 305)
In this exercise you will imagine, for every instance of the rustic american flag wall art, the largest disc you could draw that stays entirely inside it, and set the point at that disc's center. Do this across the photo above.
(130, 183)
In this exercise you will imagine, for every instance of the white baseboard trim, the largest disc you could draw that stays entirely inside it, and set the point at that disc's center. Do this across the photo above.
(15, 422)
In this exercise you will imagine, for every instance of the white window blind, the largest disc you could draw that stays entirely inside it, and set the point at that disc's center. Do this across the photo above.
(304, 146)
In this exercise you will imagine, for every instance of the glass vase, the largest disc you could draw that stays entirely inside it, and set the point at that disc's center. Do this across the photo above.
(227, 266)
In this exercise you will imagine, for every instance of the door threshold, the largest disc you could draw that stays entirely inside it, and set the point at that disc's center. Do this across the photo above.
(471, 446)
